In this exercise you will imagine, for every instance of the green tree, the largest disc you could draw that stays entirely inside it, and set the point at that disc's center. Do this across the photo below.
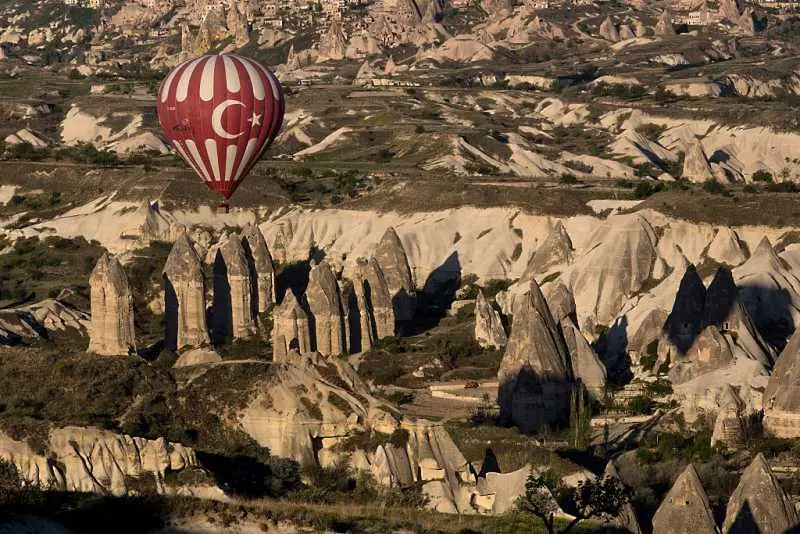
(580, 417)
(591, 498)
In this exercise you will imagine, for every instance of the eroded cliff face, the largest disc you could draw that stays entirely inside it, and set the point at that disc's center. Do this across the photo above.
(95, 460)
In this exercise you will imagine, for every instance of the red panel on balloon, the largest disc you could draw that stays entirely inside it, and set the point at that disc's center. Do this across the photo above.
(221, 112)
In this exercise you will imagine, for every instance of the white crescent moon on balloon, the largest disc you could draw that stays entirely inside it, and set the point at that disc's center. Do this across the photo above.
(216, 119)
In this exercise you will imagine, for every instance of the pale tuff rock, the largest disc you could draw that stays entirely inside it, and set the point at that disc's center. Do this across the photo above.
(489, 331)
(325, 304)
(358, 334)
(535, 379)
(199, 356)
(729, 11)
(664, 25)
(238, 27)
(262, 270)
(291, 330)
(625, 33)
(232, 316)
(95, 460)
(782, 398)
(111, 331)
(685, 509)
(333, 44)
(608, 31)
(686, 319)
(728, 426)
(556, 250)
(627, 519)
(586, 365)
(497, 8)
(759, 504)
(746, 23)
(185, 291)
(726, 248)
(392, 259)
(378, 298)
(695, 166)
(560, 301)
(620, 259)
(639, 28)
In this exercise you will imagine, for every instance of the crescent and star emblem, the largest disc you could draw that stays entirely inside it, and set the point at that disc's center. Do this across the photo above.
(216, 120)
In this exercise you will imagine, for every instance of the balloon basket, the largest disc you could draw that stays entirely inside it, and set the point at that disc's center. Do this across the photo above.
(223, 209)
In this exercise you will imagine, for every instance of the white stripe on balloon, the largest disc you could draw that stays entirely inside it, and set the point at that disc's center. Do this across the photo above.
(188, 159)
(230, 160)
(231, 75)
(248, 153)
(213, 157)
(207, 80)
(255, 78)
(168, 82)
(183, 83)
(198, 159)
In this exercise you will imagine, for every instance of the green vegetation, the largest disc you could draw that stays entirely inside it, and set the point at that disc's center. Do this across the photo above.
(762, 176)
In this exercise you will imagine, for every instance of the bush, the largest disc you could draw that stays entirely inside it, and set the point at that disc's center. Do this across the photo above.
(10, 481)
(641, 405)
(715, 188)
(762, 176)
(646, 188)
(569, 178)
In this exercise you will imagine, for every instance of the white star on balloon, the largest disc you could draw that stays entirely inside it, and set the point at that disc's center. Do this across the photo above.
(255, 120)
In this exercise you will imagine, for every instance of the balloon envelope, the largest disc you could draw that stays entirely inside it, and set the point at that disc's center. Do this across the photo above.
(221, 112)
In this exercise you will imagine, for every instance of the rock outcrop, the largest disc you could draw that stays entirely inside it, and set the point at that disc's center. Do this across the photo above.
(664, 25)
(262, 269)
(728, 428)
(608, 30)
(291, 329)
(232, 316)
(325, 303)
(111, 331)
(489, 331)
(695, 165)
(685, 509)
(392, 259)
(586, 365)
(782, 398)
(535, 378)
(759, 504)
(627, 519)
(686, 319)
(95, 460)
(184, 297)
(378, 298)
(729, 11)
(555, 250)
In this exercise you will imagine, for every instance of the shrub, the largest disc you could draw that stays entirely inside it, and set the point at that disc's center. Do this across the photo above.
(569, 178)
(641, 405)
(646, 188)
(10, 481)
(762, 176)
(715, 188)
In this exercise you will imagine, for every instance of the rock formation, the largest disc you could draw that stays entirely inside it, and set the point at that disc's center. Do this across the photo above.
(728, 426)
(729, 11)
(378, 298)
(184, 297)
(535, 379)
(291, 330)
(111, 331)
(489, 331)
(782, 398)
(608, 30)
(746, 23)
(392, 259)
(695, 165)
(333, 44)
(685, 321)
(555, 250)
(497, 9)
(664, 24)
(238, 26)
(262, 270)
(232, 316)
(625, 33)
(627, 519)
(759, 504)
(359, 332)
(325, 304)
(685, 509)
(586, 365)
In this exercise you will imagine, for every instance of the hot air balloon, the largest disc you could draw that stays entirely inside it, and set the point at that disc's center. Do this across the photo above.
(220, 113)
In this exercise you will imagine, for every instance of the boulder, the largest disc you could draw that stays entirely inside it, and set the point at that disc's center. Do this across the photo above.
(489, 331)
(291, 329)
(393, 262)
(184, 297)
(325, 304)
(710, 351)
(197, 357)
(685, 509)
(759, 504)
(111, 332)
(535, 379)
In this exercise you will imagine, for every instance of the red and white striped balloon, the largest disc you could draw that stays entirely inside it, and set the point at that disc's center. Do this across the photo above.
(221, 112)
